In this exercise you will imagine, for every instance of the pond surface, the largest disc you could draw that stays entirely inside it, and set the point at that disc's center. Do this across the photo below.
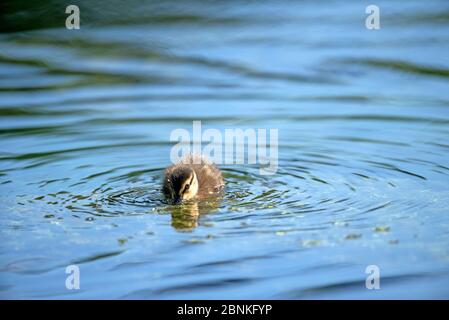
(363, 176)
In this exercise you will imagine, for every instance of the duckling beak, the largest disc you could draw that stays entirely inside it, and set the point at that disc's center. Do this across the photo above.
(177, 200)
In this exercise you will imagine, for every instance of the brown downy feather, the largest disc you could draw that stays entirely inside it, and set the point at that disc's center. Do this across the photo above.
(210, 180)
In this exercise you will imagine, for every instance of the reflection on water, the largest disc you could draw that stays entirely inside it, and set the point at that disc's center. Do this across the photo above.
(185, 217)
(362, 116)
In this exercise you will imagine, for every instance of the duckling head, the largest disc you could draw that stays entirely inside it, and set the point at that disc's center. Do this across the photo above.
(183, 184)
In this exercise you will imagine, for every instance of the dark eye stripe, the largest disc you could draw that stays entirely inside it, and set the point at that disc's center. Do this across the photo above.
(185, 189)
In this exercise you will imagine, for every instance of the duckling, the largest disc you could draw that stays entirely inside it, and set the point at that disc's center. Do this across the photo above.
(194, 177)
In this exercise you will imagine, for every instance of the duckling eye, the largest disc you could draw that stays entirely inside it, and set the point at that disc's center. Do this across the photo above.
(187, 186)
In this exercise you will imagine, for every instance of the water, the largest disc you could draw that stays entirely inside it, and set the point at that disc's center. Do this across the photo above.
(362, 116)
